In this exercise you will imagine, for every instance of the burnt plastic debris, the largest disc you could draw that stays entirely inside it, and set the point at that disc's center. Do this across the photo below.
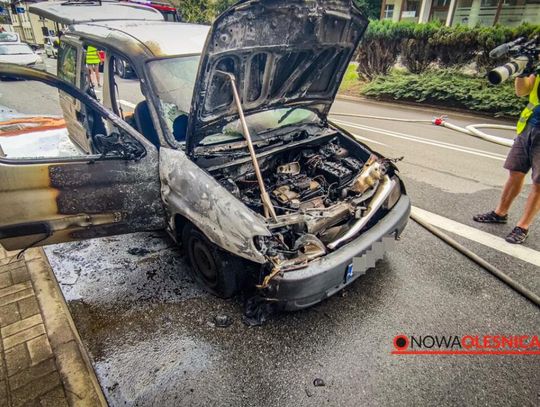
(222, 321)
(256, 311)
(318, 382)
(138, 251)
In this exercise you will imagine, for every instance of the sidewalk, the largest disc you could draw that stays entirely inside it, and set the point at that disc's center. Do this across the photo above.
(43, 361)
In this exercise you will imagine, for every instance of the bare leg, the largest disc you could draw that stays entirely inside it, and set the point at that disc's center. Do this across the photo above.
(96, 71)
(89, 70)
(532, 207)
(512, 188)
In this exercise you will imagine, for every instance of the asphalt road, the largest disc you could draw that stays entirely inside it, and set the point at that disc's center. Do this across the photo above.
(150, 330)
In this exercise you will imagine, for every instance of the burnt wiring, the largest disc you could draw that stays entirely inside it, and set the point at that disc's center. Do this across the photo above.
(48, 233)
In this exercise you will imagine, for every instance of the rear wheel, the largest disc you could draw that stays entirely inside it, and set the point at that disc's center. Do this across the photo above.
(216, 270)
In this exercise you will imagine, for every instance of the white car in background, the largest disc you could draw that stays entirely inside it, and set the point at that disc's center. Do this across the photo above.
(9, 37)
(20, 54)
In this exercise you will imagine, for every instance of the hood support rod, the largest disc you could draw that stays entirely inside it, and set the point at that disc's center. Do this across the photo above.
(265, 198)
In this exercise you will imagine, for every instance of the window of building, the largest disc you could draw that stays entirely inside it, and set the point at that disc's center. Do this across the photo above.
(389, 11)
(28, 34)
(411, 10)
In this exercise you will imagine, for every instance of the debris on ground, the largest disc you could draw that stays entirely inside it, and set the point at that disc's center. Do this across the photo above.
(138, 251)
(222, 321)
(318, 382)
(256, 311)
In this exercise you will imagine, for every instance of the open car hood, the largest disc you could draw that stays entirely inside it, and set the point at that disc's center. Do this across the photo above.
(283, 53)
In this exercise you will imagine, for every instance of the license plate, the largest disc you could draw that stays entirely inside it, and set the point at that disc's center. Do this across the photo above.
(349, 273)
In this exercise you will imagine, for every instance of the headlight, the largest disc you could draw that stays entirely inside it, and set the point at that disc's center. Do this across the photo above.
(394, 196)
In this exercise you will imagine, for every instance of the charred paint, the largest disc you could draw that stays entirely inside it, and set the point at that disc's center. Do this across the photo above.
(80, 197)
(189, 191)
(130, 188)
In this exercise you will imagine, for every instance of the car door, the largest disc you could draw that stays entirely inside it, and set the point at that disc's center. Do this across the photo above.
(53, 191)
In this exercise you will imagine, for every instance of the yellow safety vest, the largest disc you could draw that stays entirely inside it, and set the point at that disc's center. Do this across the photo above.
(92, 57)
(528, 111)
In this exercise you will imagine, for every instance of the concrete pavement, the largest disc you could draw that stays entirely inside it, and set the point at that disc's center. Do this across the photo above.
(42, 359)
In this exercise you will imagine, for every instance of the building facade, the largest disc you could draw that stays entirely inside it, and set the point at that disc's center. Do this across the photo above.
(30, 27)
(467, 12)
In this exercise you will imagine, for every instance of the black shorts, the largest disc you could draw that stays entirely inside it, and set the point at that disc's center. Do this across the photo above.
(525, 153)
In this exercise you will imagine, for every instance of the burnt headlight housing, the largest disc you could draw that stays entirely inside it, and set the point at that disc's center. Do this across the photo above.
(394, 196)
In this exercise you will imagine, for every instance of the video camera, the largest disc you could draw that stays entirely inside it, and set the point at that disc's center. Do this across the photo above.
(523, 53)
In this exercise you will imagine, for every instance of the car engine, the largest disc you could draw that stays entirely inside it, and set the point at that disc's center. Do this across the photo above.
(319, 193)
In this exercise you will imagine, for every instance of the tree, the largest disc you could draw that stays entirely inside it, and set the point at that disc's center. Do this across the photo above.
(201, 11)
(371, 8)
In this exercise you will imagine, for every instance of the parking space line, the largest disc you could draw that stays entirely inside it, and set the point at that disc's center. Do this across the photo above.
(487, 239)
(441, 144)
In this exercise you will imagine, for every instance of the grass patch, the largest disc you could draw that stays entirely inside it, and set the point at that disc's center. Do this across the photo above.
(351, 83)
(445, 87)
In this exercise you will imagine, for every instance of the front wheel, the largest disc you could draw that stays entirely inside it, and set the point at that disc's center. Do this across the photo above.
(217, 271)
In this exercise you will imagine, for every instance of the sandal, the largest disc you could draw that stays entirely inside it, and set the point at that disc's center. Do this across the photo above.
(517, 235)
(490, 217)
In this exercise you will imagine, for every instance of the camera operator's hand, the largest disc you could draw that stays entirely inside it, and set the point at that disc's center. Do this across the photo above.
(529, 68)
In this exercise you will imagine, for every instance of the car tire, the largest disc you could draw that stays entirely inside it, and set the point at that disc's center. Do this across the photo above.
(120, 68)
(217, 271)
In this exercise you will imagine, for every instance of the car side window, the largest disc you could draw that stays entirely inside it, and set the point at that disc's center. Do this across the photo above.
(67, 63)
(39, 122)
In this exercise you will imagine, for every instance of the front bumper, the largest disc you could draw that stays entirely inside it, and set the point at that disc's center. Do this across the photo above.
(324, 277)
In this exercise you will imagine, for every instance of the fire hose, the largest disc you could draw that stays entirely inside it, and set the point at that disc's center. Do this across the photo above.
(516, 286)
(471, 130)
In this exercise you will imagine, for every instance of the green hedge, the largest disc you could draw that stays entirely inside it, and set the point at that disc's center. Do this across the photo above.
(201, 11)
(423, 44)
(447, 87)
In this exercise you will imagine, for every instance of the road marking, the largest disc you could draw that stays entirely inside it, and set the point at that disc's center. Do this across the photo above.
(487, 239)
(121, 101)
(368, 140)
(441, 144)
(126, 103)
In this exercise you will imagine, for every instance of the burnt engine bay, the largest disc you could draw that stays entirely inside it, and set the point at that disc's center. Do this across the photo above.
(323, 192)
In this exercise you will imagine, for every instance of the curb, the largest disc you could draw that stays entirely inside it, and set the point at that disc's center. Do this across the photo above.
(73, 362)
(422, 107)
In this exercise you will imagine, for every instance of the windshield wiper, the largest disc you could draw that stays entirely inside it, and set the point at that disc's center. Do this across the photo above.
(286, 114)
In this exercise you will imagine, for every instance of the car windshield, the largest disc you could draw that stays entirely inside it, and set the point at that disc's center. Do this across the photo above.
(261, 122)
(174, 79)
(8, 37)
(15, 49)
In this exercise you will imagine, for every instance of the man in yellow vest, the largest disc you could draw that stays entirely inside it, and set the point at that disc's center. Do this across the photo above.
(523, 156)
(92, 63)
